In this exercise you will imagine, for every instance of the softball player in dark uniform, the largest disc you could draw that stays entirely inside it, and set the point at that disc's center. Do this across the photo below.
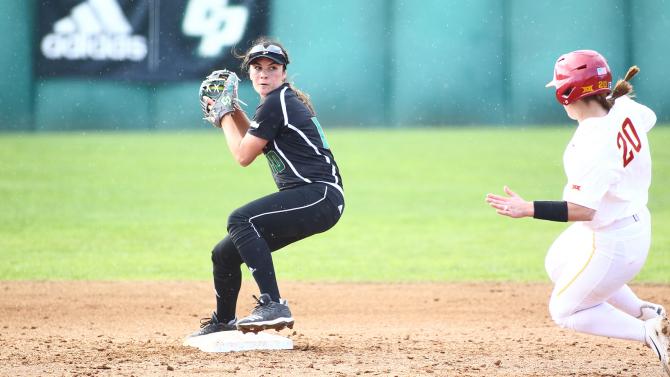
(310, 198)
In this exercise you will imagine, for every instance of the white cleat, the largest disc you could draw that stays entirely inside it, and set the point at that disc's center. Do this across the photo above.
(658, 339)
(649, 310)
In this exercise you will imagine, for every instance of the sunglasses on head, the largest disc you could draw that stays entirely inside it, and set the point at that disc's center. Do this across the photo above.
(260, 49)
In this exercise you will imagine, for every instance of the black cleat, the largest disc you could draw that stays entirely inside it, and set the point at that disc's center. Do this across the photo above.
(267, 314)
(212, 325)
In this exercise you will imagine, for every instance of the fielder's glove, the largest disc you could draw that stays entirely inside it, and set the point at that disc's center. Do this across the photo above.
(221, 87)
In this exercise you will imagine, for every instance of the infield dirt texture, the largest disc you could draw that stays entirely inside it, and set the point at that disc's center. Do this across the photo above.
(450, 329)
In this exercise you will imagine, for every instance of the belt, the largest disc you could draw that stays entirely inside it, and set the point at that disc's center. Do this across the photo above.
(621, 223)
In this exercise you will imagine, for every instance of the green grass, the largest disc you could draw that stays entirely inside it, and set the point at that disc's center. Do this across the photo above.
(151, 205)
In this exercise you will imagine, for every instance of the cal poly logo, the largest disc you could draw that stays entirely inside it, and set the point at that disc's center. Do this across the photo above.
(97, 30)
(216, 23)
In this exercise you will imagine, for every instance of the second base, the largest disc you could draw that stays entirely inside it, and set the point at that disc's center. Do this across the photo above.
(231, 341)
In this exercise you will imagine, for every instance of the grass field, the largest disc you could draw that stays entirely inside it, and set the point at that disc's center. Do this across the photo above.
(151, 205)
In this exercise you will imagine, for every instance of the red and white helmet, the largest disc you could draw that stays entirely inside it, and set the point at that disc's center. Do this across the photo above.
(579, 74)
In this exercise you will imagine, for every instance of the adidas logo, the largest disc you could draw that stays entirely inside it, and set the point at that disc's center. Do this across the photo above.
(97, 30)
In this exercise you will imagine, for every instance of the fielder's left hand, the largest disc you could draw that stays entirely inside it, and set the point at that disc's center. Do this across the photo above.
(512, 205)
(218, 95)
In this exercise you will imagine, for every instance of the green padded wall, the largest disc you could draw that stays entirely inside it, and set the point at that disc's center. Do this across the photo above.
(372, 63)
(650, 50)
(16, 65)
(67, 104)
(539, 33)
(175, 106)
(448, 62)
(337, 51)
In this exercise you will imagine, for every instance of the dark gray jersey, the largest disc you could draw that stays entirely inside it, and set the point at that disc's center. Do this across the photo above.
(297, 150)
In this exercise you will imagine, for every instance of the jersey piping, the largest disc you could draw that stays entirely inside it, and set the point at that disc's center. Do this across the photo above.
(282, 101)
(593, 251)
(325, 193)
(281, 153)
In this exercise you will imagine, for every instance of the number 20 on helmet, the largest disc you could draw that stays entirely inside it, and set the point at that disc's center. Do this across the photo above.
(580, 74)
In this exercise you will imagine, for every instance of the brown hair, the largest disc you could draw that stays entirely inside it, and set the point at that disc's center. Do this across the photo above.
(266, 41)
(623, 87)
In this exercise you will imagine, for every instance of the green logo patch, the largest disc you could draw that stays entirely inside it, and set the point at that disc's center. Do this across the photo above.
(276, 164)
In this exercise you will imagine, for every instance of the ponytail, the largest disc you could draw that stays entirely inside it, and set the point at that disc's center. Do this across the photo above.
(304, 98)
(622, 88)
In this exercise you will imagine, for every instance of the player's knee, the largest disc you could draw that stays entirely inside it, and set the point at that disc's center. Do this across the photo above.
(225, 254)
(240, 228)
(217, 255)
(560, 312)
(236, 219)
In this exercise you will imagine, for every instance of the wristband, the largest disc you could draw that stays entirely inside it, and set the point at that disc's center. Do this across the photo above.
(551, 210)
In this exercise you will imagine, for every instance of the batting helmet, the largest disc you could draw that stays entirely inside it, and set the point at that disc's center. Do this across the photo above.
(579, 74)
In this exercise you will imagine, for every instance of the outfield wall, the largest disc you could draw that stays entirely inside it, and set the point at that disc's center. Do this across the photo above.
(373, 63)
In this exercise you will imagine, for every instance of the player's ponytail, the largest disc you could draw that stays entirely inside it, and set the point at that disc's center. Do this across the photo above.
(622, 88)
(304, 98)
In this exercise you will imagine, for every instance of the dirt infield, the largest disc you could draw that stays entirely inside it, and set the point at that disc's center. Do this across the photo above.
(137, 328)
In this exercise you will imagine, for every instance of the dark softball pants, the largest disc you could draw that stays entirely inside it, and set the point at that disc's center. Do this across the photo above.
(263, 226)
